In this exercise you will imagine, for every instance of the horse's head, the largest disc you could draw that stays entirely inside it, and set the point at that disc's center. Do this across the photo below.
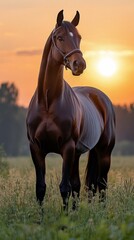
(66, 43)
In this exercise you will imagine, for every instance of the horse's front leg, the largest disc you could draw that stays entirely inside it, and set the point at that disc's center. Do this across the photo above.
(75, 181)
(39, 162)
(68, 152)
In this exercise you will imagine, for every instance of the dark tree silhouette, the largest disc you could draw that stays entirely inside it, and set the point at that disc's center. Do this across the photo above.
(8, 93)
(13, 137)
(12, 121)
(132, 107)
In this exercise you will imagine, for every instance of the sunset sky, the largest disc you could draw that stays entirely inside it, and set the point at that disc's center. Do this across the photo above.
(107, 30)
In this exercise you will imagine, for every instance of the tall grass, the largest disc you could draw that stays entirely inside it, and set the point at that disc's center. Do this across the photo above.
(22, 218)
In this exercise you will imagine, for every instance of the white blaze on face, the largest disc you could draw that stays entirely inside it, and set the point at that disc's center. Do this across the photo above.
(71, 34)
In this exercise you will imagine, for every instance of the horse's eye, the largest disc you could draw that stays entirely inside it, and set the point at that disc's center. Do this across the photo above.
(61, 39)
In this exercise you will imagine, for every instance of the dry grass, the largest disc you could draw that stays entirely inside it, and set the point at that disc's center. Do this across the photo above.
(21, 217)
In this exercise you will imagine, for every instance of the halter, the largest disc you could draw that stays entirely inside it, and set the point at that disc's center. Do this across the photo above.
(64, 55)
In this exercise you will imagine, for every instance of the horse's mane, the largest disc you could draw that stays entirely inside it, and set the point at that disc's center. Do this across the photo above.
(43, 66)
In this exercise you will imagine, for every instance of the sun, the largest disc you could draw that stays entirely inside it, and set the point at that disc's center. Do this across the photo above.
(107, 66)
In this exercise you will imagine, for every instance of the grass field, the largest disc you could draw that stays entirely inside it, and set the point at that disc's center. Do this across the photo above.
(21, 218)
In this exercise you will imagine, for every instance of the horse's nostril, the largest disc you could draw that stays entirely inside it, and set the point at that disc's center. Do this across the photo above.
(79, 65)
(75, 63)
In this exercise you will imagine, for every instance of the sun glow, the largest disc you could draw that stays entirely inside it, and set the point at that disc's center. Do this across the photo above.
(107, 66)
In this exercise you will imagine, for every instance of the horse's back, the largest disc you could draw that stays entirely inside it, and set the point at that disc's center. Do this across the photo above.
(98, 116)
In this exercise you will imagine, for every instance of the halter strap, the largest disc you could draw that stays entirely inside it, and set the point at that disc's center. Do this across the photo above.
(76, 50)
(65, 56)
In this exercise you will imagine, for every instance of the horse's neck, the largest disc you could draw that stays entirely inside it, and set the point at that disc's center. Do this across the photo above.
(53, 81)
(50, 82)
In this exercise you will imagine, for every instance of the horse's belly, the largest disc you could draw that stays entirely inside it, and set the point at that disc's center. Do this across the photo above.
(93, 126)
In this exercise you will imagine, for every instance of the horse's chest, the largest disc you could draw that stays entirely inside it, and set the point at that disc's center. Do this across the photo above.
(52, 134)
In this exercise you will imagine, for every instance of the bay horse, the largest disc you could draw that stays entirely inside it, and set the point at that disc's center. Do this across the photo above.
(69, 121)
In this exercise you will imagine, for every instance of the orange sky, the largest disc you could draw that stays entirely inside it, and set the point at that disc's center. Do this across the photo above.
(106, 25)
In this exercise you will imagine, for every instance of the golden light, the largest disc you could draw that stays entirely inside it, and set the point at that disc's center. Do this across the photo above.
(107, 66)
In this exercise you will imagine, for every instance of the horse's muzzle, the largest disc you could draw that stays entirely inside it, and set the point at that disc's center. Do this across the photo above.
(78, 66)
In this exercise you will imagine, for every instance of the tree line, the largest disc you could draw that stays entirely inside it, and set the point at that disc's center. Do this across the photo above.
(13, 137)
(12, 122)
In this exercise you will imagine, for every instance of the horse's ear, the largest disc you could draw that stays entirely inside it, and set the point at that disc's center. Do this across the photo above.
(60, 18)
(76, 19)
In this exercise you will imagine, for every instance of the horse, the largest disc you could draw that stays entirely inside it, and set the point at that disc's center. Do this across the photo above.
(69, 121)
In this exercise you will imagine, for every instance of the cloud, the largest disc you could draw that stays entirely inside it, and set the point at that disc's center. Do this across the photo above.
(125, 53)
(15, 4)
(10, 34)
(121, 53)
(32, 52)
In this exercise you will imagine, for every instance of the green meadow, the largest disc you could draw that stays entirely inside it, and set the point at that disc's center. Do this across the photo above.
(22, 218)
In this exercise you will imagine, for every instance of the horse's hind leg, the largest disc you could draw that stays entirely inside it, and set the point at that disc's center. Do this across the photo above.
(92, 174)
(75, 180)
(104, 166)
(39, 163)
(104, 154)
